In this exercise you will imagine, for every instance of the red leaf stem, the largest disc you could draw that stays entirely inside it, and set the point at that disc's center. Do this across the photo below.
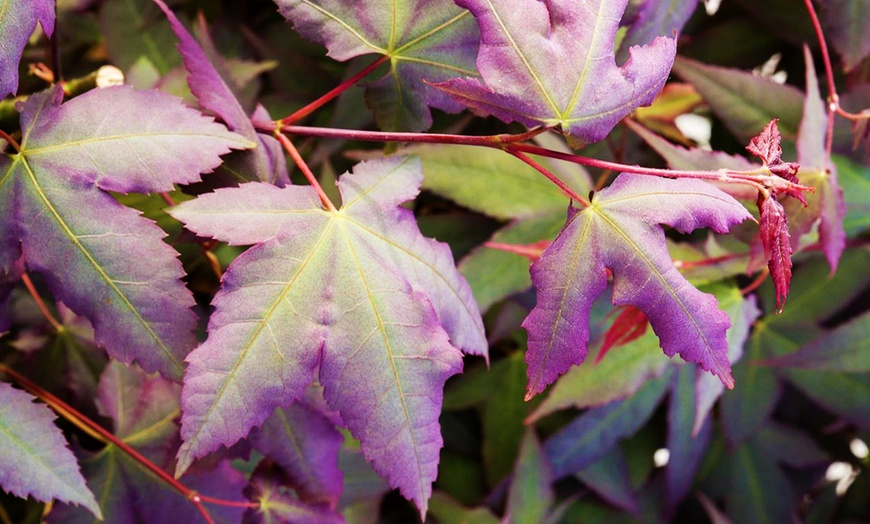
(40, 303)
(98, 432)
(551, 177)
(333, 93)
(297, 158)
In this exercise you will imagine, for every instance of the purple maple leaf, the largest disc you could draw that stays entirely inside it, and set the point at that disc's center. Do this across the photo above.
(426, 41)
(620, 231)
(358, 294)
(34, 457)
(18, 19)
(265, 162)
(552, 63)
(100, 258)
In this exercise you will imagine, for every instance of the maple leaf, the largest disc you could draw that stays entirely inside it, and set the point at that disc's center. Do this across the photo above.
(143, 411)
(425, 40)
(265, 162)
(620, 231)
(552, 63)
(18, 19)
(34, 458)
(357, 293)
(102, 259)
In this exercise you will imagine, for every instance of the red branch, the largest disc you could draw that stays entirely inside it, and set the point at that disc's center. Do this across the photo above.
(297, 158)
(336, 91)
(92, 428)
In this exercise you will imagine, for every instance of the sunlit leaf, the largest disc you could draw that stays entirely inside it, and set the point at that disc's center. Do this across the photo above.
(553, 64)
(620, 230)
(357, 293)
(100, 258)
(425, 41)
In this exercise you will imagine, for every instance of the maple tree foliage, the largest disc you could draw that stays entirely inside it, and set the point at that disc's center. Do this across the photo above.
(233, 332)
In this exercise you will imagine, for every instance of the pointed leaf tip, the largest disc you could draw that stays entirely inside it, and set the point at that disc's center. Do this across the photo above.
(528, 51)
(620, 231)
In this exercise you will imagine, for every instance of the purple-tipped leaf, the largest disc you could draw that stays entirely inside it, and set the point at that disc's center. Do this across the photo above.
(101, 259)
(18, 19)
(215, 96)
(655, 18)
(552, 63)
(621, 231)
(34, 458)
(357, 294)
(427, 41)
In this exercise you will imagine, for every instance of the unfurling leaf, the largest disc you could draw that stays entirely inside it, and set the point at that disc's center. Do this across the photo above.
(777, 246)
(358, 294)
(100, 258)
(620, 231)
(426, 41)
(552, 63)
(766, 146)
(629, 325)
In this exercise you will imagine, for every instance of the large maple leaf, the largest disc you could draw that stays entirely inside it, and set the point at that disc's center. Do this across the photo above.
(552, 63)
(358, 293)
(620, 231)
(18, 19)
(100, 258)
(426, 41)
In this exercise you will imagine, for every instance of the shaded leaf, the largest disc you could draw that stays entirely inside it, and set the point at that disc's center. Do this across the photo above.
(618, 376)
(143, 410)
(743, 312)
(655, 19)
(357, 293)
(18, 19)
(686, 447)
(529, 50)
(425, 41)
(34, 458)
(494, 274)
(629, 325)
(744, 102)
(609, 478)
(278, 504)
(531, 492)
(847, 24)
(58, 213)
(620, 231)
(133, 29)
(591, 435)
(855, 181)
(846, 348)
(305, 443)
(759, 490)
(446, 510)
